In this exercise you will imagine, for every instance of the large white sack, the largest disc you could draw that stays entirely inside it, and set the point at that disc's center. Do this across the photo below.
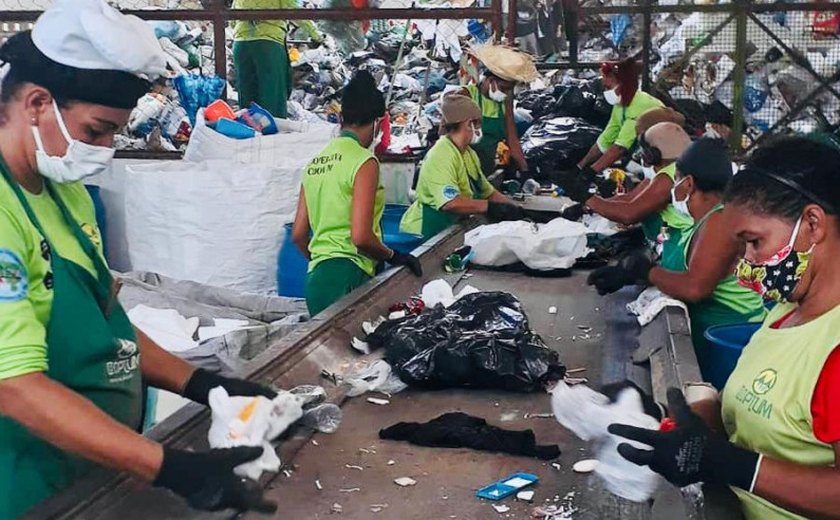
(297, 140)
(555, 245)
(216, 222)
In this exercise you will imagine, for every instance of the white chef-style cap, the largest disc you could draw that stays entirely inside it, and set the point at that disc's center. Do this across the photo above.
(86, 50)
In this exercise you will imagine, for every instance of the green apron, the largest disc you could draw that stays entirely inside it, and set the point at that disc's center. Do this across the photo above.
(493, 132)
(709, 312)
(91, 350)
(435, 220)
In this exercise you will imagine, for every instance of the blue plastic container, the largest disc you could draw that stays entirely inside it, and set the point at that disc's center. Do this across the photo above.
(292, 265)
(391, 236)
(291, 268)
(725, 345)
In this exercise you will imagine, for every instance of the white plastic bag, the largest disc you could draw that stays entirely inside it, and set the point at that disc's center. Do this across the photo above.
(298, 141)
(252, 421)
(555, 245)
(217, 222)
(588, 413)
(650, 303)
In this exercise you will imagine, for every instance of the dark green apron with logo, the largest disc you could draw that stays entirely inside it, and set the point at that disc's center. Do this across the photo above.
(493, 132)
(435, 220)
(92, 350)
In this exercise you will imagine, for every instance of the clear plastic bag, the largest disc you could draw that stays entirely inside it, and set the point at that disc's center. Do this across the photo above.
(326, 418)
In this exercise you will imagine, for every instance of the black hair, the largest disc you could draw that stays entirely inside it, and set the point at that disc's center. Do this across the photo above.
(787, 174)
(27, 64)
(361, 102)
(448, 128)
(707, 160)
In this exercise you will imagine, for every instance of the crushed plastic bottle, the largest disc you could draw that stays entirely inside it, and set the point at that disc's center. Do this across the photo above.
(531, 187)
(326, 418)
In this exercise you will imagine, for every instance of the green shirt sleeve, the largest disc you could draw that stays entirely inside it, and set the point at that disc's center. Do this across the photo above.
(23, 346)
(612, 130)
(626, 137)
(440, 178)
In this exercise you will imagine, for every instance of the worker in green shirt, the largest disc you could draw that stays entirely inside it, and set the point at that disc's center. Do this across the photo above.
(505, 68)
(337, 226)
(772, 436)
(260, 57)
(651, 206)
(699, 271)
(621, 90)
(72, 367)
(451, 183)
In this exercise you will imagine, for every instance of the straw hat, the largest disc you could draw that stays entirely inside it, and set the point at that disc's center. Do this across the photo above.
(507, 63)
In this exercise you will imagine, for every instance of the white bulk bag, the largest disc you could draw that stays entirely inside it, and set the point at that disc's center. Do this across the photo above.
(298, 140)
(555, 245)
(217, 223)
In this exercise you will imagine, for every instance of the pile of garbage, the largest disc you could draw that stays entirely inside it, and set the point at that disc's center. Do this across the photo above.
(412, 63)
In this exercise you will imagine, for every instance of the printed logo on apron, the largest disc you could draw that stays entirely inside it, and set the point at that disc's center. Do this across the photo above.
(127, 363)
(753, 398)
(92, 234)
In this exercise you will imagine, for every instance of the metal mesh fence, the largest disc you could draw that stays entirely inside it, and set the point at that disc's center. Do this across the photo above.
(757, 67)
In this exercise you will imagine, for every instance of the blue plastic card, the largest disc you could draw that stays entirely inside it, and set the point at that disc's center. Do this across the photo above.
(507, 486)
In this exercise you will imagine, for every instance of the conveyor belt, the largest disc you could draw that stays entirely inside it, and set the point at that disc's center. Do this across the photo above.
(446, 479)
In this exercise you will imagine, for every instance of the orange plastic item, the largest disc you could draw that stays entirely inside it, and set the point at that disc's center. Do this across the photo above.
(218, 110)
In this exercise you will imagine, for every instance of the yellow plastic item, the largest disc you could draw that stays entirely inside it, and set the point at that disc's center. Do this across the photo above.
(247, 411)
(294, 55)
(502, 154)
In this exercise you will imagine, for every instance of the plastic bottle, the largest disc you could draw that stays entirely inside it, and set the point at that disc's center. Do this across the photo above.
(531, 187)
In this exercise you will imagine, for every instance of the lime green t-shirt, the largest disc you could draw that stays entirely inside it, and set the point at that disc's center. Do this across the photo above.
(489, 108)
(670, 216)
(273, 30)
(25, 273)
(621, 128)
(446, 173)
(328, 188)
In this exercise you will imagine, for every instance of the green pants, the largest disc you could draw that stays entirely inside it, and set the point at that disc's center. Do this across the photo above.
(263, 75)
(330, 281)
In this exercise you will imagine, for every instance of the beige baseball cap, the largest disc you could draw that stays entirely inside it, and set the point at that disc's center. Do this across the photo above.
(457, 108)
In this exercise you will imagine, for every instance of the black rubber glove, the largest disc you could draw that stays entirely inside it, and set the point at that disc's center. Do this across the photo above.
(578, 189)
(504, 212)
(407, 260)
(606, 187)
(608, 280)
(207, 481)
(637, 264)
(587, 173)
(651, 407)
(199, 386)
(574, 212)
(689, 453)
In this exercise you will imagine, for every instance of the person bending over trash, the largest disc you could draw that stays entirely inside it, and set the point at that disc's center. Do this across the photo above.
(621, 90)
(650, 205)
(774, 435)
(342, 201)
(700, 270)
(451, 182)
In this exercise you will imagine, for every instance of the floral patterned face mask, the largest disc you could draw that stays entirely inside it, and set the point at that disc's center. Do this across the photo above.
(777, 278)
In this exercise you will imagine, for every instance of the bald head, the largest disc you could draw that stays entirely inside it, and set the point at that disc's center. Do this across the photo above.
(669, 138)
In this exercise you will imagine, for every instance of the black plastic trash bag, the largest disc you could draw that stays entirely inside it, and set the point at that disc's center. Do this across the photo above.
(482, 341)
(557, 144)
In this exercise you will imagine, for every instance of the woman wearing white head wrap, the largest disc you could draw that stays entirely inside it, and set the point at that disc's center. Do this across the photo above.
(71, 364)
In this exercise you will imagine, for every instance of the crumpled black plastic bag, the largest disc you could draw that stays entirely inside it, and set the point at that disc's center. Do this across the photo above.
(482, 341)
(557, 144)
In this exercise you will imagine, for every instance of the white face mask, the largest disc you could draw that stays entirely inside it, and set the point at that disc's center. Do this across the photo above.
(81, 160)
(649, 172)
(680, 205)
(612, 96)
(496, 94)
(477, 135)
